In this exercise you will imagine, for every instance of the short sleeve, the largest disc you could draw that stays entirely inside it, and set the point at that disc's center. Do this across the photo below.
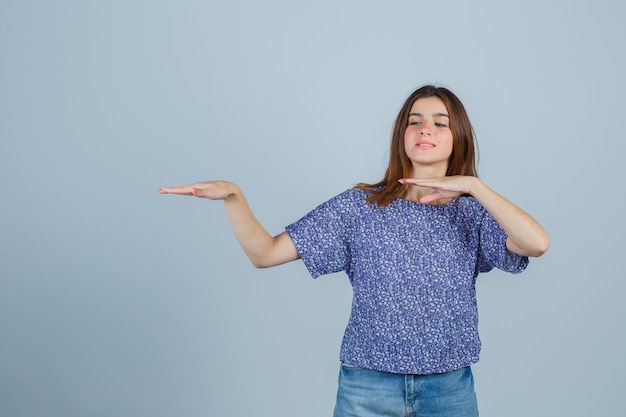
(492, 251)
(321, 236)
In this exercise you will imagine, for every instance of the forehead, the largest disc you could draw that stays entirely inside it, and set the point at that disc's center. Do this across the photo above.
(429, 106)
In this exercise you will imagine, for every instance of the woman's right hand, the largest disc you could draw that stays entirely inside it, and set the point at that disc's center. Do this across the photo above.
(262, 249)
(213, 190)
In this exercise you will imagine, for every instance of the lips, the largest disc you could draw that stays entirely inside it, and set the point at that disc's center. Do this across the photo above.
(424, 145)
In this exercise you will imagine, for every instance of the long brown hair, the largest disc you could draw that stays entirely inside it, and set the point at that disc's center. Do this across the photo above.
(462, 159)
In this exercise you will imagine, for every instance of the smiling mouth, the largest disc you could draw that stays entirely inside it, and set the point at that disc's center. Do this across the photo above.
(425, 146)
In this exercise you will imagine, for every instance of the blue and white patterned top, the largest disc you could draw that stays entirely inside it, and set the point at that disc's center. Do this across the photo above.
(413, 270)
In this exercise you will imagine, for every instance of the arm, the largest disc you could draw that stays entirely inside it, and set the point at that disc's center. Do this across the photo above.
(262, 249)
(525, 235)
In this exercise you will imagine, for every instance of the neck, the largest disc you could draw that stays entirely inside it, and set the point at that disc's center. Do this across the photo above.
(415, 193)
(426, 172)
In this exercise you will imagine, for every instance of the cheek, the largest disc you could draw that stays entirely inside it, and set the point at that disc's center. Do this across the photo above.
(407, 140)
(448, 143)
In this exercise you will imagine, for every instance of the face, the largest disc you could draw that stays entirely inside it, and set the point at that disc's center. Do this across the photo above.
(428, 138)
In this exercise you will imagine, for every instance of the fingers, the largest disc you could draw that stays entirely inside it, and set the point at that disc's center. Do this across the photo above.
(422, 183)
(452, 183)
(181, 189)
(213, 190)
(184, 190)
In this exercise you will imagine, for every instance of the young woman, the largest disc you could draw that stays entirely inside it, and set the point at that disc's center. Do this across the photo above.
(412, 246)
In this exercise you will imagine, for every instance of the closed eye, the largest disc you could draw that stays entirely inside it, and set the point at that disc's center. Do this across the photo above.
(437, 124)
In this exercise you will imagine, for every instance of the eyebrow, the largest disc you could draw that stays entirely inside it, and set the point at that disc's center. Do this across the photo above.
(435, 115)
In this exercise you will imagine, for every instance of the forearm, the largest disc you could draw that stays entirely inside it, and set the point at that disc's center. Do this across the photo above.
(262, 249)
(525, 235)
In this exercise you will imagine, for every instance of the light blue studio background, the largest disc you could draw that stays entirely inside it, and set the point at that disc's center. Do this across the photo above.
(117, 301)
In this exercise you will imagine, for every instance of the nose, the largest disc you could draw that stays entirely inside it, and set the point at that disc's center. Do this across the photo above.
(426, 129)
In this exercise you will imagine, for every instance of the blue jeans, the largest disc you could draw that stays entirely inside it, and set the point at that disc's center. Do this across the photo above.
(366, 393)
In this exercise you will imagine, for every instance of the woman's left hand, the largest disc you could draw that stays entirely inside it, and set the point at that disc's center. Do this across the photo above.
(446, 187)
(525, 236)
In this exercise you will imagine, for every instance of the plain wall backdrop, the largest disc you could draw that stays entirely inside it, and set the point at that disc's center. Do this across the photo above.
(117, 301)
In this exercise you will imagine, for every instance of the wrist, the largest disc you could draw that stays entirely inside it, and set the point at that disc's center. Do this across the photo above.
(475, 185)
(233, 192)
